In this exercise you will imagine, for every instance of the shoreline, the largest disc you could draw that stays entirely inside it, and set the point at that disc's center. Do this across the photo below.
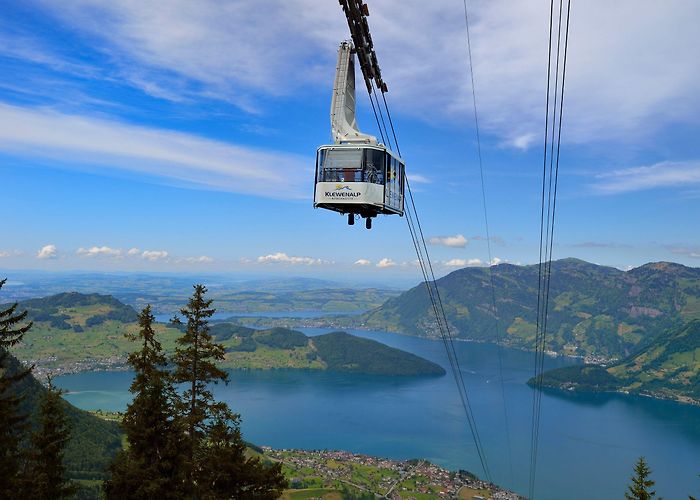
(118, 363)
(685, 400)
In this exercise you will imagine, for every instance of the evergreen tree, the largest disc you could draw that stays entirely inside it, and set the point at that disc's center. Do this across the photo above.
(151, 467)
(641, 484)
(46, 472)
(13, 424)
(226, 472)
(216, 465)
(194, 360)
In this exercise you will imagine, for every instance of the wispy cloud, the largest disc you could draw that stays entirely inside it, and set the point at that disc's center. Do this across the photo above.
(659, 175)
(456, 241)
(98, 251)
(28, 48)
(600, 244)
(181, 159)
(688, 251)
(463, 262)
(47, 252)
(363, 262)
(522, 142)
(202, 259)
(154, 255)
(418, 179)
(185, 50)
(283, 258)
(135, 253)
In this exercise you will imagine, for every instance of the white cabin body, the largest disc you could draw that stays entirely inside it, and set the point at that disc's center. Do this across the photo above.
(359, 179)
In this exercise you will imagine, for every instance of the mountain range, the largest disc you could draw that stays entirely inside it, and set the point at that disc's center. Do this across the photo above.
(594, 310)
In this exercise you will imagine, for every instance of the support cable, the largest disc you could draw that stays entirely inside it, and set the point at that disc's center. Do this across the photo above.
(488, 242)
(539, 267)
(376, 117)
(391, 122)
(539, 369)
(418, 238)
(443, 325)
(547, 243)
(381, 115)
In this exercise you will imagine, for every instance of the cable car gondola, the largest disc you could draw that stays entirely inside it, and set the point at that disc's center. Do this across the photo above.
(356, 175)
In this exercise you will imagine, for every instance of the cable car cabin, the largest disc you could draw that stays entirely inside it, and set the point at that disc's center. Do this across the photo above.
(365, 179)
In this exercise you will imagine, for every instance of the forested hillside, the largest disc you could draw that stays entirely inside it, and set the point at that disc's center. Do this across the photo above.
(94, 441)
(669, 367)
(594, 310)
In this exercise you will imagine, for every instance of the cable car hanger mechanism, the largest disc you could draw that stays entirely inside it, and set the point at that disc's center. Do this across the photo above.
(357, 174)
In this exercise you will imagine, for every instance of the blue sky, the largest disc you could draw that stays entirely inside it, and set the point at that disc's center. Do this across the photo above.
(181, 137)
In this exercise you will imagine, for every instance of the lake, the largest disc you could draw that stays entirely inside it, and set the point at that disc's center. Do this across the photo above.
(588, 442)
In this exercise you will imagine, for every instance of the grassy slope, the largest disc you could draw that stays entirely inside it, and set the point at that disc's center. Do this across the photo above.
(594, 310)
(75, 332)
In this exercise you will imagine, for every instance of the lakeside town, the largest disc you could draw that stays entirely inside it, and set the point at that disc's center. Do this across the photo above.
(363, 475)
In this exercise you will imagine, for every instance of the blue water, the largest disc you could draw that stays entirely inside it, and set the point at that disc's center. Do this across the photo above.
(588, 443)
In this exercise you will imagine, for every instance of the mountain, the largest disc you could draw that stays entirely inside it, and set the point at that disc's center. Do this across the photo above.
(75, 332)
(94, 441)
(83, 309)
(669, 367)
(78, 332)
(594, 310)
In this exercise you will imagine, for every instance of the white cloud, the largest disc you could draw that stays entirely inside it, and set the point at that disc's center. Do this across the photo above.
(10, 253)
(47, 252)
(495, 261)
(363, 262)
(463, 262)
(154, 255)
(97, 251)
(283, 258)
(202, 259)
(457, 241)
(386, 262)
(693, 252)
(659, 175)
(185, 51)
(182, 159)
(133, 251)
(418, 179)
